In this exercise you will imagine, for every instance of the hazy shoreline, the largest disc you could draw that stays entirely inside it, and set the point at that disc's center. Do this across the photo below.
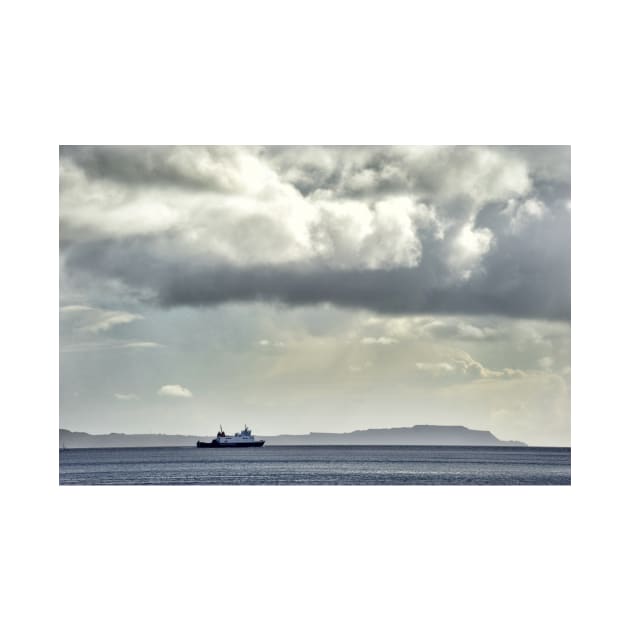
(418, 435)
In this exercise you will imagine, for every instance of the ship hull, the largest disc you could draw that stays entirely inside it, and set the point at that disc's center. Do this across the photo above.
(215, 444)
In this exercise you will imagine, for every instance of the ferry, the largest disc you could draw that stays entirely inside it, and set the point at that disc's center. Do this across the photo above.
(238, 440)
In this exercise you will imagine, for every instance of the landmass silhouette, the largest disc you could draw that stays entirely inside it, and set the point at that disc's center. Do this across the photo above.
(418, 435)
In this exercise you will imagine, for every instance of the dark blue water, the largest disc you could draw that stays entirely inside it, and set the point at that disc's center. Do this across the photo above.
(316, 465)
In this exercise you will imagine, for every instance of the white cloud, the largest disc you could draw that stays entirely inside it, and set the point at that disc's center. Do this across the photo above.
(436, 369)
(468, 249)
(266, 343)
(75, 308)
(105, 344)
(463, 365)
(95, 320)
(381, 341)
(175, 391)
(109, 319)
(481, 173)
(245, 215)
(522, 213)
(126, 396)
(468, 366)
(351, 234)
(426, 327)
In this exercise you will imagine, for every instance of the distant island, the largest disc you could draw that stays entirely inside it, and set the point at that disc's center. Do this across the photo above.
(418, 435)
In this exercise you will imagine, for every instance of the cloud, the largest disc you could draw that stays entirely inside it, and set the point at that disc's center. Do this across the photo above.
(105, 344)
(520, 214)
(442, 173)
(469, 246)
(95, 320)
(75, 308)
(462, 330)
(353, 235)
(256, 219)
(463, 365)
(428, 327)
(359, 367)
(467, 230)
(126, 397)
(174, 391)
(224, 169)
(266, 343)
(436, 369)
(381, 341)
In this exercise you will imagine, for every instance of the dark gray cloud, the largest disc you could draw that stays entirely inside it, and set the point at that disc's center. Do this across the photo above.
(137, 166)
(491, 226)
(517, 281)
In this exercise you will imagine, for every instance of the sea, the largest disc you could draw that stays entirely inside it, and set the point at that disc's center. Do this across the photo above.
(317, 465)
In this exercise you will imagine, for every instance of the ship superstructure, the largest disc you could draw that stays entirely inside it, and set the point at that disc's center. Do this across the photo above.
(242, 439)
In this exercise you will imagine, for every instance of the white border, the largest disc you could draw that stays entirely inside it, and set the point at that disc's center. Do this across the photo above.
(342, 73)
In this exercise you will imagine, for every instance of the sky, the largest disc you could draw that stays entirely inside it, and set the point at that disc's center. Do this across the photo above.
(308, 289)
